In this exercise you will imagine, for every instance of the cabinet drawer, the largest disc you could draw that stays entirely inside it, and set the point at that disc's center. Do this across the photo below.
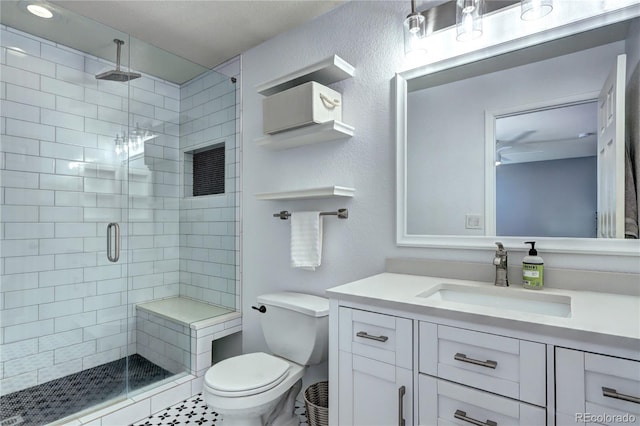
(445, 403)
(604, 387)
(377, 336)
(506, 366)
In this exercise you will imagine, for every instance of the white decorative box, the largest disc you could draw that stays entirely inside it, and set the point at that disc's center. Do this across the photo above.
(300, 106)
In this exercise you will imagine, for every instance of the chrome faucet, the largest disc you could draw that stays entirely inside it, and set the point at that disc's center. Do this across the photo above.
(500, 260)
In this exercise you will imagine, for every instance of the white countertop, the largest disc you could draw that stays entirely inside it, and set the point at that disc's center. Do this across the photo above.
(591, 312)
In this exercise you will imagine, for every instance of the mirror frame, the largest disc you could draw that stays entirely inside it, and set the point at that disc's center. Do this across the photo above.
(618, 247)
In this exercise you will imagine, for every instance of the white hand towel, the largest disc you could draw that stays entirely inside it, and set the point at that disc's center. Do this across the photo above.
(306, 240)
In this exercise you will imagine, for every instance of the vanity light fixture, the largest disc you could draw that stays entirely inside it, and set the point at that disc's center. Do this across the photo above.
(469, 15)
(469, 19)
(535, 9)
(415, 30)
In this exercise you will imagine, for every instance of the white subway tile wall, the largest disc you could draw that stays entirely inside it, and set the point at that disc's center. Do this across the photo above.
(165, 343)
(64, 306)
(209, 250)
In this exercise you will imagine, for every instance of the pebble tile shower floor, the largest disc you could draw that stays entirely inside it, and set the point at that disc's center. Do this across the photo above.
(62, 397)
(194, 411)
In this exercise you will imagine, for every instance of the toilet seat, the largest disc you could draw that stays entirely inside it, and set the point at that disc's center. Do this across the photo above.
(246, 375)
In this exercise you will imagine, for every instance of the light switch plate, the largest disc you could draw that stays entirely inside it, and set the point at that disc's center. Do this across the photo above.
(473, 221)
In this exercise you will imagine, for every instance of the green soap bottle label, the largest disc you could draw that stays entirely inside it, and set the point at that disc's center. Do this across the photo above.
(532, 275)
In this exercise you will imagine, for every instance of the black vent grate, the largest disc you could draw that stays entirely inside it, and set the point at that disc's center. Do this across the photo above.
(208, 172)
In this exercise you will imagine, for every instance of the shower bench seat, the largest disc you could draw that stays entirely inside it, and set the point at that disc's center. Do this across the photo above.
(177, 333)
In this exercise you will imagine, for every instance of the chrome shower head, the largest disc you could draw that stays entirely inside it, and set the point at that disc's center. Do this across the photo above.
(117, 74)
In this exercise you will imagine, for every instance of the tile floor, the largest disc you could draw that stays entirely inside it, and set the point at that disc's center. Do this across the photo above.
(194, 411)
(62, 397)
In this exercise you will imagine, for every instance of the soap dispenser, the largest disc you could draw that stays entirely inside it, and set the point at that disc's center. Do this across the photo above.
(532, 269)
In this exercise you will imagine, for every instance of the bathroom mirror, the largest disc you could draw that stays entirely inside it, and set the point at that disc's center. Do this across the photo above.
(501, 143)
(546, 169)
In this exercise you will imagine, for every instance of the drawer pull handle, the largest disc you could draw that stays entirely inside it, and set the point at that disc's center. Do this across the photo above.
(462, 415)
(612, 393)
(488, 363)
(401, 391)
(364, 335)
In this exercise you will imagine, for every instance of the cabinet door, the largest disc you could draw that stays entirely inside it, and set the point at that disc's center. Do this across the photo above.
(373, 393)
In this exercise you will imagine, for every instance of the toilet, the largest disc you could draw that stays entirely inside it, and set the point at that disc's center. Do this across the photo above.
(258, 389)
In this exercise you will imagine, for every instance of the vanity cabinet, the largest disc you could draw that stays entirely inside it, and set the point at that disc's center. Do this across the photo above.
(603, 388)
(397, 357)
(375, 368)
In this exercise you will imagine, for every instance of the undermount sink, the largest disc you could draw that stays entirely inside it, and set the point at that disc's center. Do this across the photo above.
(534, 302)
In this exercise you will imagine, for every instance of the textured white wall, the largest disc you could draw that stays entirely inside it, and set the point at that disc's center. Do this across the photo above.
(369, 36)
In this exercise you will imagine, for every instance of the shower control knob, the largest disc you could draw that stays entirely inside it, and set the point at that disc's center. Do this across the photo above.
(262, 309)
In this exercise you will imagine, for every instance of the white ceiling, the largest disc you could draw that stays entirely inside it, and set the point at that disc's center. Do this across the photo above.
(549, 134)
(207, 32)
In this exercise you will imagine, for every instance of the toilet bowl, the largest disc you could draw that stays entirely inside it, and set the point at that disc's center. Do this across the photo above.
(259, 389)
(247, 389)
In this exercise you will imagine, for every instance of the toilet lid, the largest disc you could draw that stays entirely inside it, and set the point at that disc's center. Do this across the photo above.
(246, 374)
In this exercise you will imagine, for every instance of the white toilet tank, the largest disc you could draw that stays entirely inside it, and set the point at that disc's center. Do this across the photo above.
(296, 326)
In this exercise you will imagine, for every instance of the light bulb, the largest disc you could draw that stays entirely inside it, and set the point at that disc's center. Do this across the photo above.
(414, 22)
(535, 9)
(468, 8)
(467, 23)
(40, 11)
(414, 34)
(469, 19)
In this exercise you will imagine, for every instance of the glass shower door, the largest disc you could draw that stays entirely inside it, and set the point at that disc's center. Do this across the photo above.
(65, 318)
(94, 223)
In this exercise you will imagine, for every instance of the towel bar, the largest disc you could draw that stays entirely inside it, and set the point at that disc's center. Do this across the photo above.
(341, 213)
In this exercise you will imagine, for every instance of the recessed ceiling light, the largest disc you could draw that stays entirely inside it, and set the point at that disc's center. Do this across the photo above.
(40, 11)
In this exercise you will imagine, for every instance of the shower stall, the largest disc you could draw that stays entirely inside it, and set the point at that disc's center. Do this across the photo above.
(119, 211)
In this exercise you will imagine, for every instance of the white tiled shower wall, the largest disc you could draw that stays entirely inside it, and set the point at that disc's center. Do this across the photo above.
(163, 342)
(64, 307)
(209, 243)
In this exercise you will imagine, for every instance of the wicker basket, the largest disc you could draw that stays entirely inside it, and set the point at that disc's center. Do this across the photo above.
(316, 399)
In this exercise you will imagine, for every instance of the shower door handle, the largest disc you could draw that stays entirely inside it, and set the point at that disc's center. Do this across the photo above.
(116, 255)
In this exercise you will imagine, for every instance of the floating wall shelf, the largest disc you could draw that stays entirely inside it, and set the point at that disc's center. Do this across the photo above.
(315, 133)
(309, 193)
(325, 72)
